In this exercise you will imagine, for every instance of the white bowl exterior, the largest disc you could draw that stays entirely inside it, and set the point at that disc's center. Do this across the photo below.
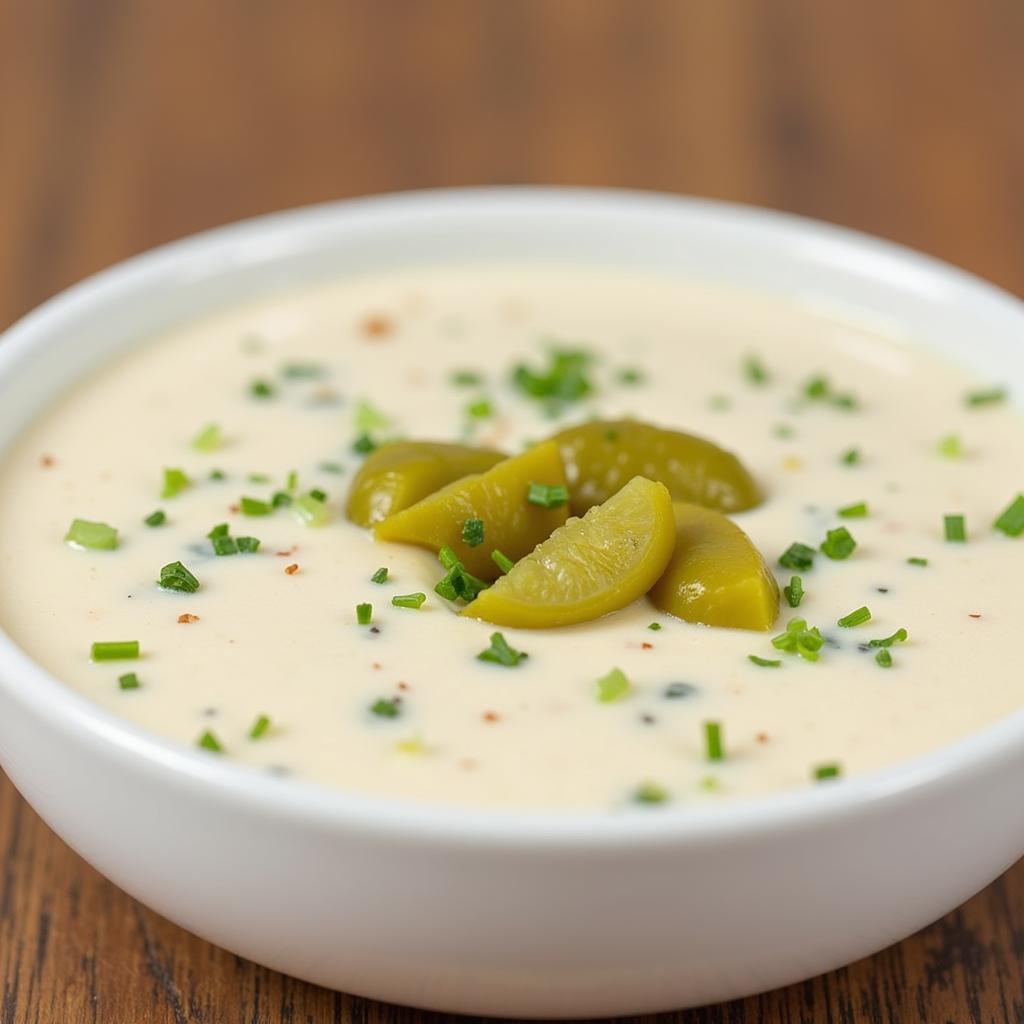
(505, 914)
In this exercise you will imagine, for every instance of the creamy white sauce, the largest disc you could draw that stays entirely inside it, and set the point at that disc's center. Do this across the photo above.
(534, 736)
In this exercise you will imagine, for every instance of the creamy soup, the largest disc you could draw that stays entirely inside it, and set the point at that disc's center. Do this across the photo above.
(268, 664)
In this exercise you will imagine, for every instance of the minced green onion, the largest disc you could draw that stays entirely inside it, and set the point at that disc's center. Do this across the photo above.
(364, 614)
(827, 771)
(258, 478)
(917, 561)
(613, 686)
(292, 481)
(255, 507)
(220, 530)
(218, 474)
(654, 626)
(386, 707)
(855, 618)
(259, 727)
(800, 639)
(363, 444)
(480, 409)
(129, 681)
(210, 742)
(209, 439)
(115, 650)
(819, 389)
(302, 371)
(720, 403)
(499, 653)
(794, 592)
(318, 495)
(955, 527)
(281, 499)
(501, 561)
(754, 370)
(1011, 521)
(630, 376)
(838, 544)
(261, 389)
(380, 576)
(368, 419)
(650, 793)
(851, 457)
(897, 638)
(764, 662)
(883, 658)
(564, 380)
(96, 536)
(310, 511)
(797, 556)
(331, 467)
(466, 378)
(989, 396)
(224, 545)
(247, 545)
(175, 481)
(547, 495)
(950, 447)
(175, 576)
(858, 510)
(714, 750)
(157, 518)
(473, 532)
(408, 600)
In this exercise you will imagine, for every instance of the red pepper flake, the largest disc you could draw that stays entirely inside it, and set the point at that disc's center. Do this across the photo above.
(762, 737)
(292, 569)
(378, 326)
(403, 686)
(377, 665)
(647, 647)
(234, 509)
(492, 716)
(974, 615)
(469, 764)
(286, 554)
(47, 461)
(187, 618)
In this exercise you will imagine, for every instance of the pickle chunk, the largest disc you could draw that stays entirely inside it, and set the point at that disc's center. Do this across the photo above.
(398, 475)
(498, 498)
(589, 567)
(716, 576)
(600, 456)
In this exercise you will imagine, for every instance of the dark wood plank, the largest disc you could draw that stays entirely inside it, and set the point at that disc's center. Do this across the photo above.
(125, 124)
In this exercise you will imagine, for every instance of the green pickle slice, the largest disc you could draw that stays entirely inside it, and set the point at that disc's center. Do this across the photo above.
(601, 456)
(716, 576)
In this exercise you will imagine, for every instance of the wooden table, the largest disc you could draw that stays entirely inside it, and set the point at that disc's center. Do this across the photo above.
(124, 124)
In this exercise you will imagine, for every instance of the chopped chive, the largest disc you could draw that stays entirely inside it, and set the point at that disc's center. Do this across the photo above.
(797, 556)
(499, 653)
(218, 474)
(255, 507)
(679, 691)
(281, 499)
(292, 481)
(318, 495)
(754, 370)
(654, 626)
(955, 528)
(819, 389)
(331, 467)
(764, 662)
(220, 530)
(827, 771)
(794, 592)
(800, 639)
(501, 561)
(851, 457)
(310, 511)
(96, 536)
(897, 638)
(783, 431)
(613, 686)
(630, 376)
(364, 614)
(302, 371)
(115, 650)
(563, 381)
(457, 584)
(447, 557)
(261, 389)
(408, 600)
(466, 378)
(209, 439)
(858, 510)
(720, 403)
(247, 545)
(816, 387)
(1011, 521)
(547, 495)
(473, 532)
(210, 742)
(950, 447)
(917, 561)
(380, 576)
(883, 658)
(989, 396)
(363, 444)
(838, 544)
(259, 727)
(157, 518)
(258, 478)
(855, 618)
(714, 751)
(175, 576)
(648, 793)
(481, 409)
(175, 481)
(129, 681)
(224, 545)
(386, 707)
(368, 419)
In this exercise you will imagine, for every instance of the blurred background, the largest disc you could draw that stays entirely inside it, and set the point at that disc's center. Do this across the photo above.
(127, 123)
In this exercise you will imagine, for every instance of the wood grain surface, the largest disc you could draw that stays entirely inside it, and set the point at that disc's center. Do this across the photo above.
(124, 124)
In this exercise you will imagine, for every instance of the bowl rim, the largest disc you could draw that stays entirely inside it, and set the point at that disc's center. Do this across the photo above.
(336, 809)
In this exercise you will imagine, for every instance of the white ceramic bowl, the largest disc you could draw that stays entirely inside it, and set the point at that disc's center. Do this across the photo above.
(508, 913)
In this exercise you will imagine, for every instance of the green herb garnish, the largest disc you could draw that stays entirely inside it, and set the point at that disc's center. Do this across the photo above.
(258, 478)
(310, 510)
(990, 396)
(955, 527)
(457, 584)
(855, 618)
(917, 561)
(714, 750)
(481, 409)
(851, 457)
(175, 481)
(302, 371)
(218, 474)
(380, 576)
(1011, 521)
(129, 681)
(466, 378)
(408, 600)
(115, 650)
(838, 544)
(281, 499)
(501, 561)
(800, 639)
(654, 626)
(209, 439)
(883, 658)
(797, 556)
(363, 444)
(950, 447)
(764, 662)
(368, 419)
(858, 510)
(318, 495)
(794, 592)
(292, 481)
(818, 389)
(630, 376)
(259, 727)
(827, 771)
(247, 545)
(386, 707)
(261, 389)
(157, 518)
(473, 532)
(563, 381)
(547, 495)
(174, 576)
(210, 742)
(224, 545)
(96, 536)
(499, 653)
(898, 637)
(648, 793)
(613, 686)
(364, 614)
(255, 507)
(331, 467)
(754, 371)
